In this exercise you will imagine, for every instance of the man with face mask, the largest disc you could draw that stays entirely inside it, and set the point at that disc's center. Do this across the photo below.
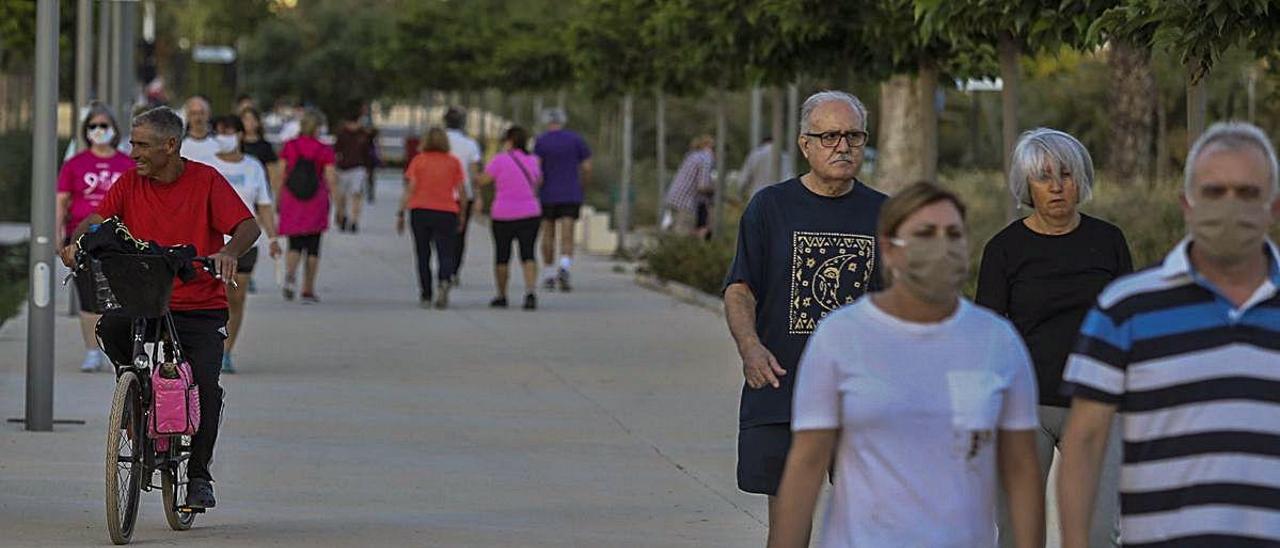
(247, 175)
(806, 246)
(198, 144)
(1189, 352)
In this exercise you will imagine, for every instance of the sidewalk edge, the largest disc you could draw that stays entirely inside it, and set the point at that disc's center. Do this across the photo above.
(681, 292)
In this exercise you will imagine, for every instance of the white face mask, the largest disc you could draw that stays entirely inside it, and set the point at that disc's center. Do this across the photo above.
(101, 136)
(227, 143)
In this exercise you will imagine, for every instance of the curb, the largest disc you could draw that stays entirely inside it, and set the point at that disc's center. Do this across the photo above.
(681, 292)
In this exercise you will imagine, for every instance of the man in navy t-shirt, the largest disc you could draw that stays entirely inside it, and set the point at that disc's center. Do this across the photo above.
(806, 246)
(566, 162)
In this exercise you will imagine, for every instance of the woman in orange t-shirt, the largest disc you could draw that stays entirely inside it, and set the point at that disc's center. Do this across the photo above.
(433, 197)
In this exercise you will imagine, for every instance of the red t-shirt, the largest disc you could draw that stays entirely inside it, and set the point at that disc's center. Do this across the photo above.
(437, 181)
(199, 209)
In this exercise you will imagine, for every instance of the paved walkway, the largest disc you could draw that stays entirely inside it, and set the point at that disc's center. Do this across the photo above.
(607, 418)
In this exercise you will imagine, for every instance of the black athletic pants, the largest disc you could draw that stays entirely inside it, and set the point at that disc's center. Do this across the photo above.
(439, 229)
(460, 247)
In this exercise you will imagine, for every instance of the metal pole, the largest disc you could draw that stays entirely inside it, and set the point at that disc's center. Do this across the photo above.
(127, 76)
(661, 130)
(84, 62)
(113, 93)
(103, 84)
(624, 193)
(84, 80)
(43, 173)
(793, 131)
(717, 211)
(537, 113)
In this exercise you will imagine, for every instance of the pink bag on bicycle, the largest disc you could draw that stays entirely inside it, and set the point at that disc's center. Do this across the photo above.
(175, 402)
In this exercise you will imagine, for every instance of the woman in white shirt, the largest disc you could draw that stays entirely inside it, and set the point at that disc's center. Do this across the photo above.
(923, 400)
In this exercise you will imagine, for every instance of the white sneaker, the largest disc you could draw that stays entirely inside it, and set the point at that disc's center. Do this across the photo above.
(92, 362)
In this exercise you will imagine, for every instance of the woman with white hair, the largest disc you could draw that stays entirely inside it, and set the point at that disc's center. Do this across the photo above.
(1043, 272)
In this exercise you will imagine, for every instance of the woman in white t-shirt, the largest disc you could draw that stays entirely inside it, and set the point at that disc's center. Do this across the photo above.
(249, 179)
(923, 399)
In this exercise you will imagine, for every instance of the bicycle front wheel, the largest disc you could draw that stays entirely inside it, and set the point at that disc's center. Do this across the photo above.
(173, 484)
(125, 432)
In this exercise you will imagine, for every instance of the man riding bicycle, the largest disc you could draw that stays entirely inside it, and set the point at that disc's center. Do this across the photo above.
(173, 201)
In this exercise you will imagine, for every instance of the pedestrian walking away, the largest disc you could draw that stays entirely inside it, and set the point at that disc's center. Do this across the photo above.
(249, 179)
(434, 199)
(255, 144)
(1187, 353)
(1043, 273)
(304, 201)
(174, 201)
(566, 165)
(516, 213)
(198, 143)
(354, 163)
(691, 190)
(925, 402)
(83, 182)
(467, 151)
(819, 229)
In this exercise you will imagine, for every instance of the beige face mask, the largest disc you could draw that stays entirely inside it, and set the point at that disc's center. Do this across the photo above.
(1228, 229)
(936, 267)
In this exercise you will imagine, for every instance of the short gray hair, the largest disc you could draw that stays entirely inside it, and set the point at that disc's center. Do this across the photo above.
(554, 115)
(163, 120)
(1061, 151)
(828, 96)
(1232, 136)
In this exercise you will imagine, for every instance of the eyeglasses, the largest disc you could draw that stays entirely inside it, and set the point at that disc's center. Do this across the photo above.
(99, 126)
(831, 139)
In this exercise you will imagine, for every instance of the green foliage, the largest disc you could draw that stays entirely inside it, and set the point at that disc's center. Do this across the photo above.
(1197, 31)
(608, 47)
(15, 176)
(690, 261)
(13, 279)
(333, 51)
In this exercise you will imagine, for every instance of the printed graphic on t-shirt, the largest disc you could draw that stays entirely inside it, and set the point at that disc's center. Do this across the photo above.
(97, 182)
(828, 271)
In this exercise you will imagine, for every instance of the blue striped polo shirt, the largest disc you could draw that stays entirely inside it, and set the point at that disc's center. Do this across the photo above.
(1197, 383)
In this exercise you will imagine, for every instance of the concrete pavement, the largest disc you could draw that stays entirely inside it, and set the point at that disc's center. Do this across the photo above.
(607, 418)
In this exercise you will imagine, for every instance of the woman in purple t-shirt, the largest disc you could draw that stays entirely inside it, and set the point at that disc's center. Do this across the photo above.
(82, 184)
(516, 212)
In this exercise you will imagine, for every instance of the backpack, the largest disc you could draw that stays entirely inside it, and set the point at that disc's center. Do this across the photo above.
(303, 180)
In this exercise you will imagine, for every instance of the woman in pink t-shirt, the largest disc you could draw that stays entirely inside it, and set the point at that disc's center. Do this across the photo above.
(82, 184)
(516, 212)
(304, 220)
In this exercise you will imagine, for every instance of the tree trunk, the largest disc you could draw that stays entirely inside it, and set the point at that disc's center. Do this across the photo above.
(793, 130)
(1132, 92)
(1197, 102)
(624, 183)
(775, 114)
(756, 129)
(661, 149)
(722, 135)
(1009, 52)
(1162, 140)
(908, 146)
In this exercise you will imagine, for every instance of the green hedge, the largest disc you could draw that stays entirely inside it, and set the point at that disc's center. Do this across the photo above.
(15, 176)
(690, 261)
(13, 279)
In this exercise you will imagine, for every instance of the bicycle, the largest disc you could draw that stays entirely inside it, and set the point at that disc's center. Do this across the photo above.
(132, 456)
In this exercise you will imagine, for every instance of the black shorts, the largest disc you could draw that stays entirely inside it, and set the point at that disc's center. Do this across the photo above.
(552, 212)
(247, 261)
(762, 456)
(524, 231)
(309, 243)
(703, 216)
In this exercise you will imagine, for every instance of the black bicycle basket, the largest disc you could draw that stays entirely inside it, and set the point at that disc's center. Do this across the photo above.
(139, 285)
